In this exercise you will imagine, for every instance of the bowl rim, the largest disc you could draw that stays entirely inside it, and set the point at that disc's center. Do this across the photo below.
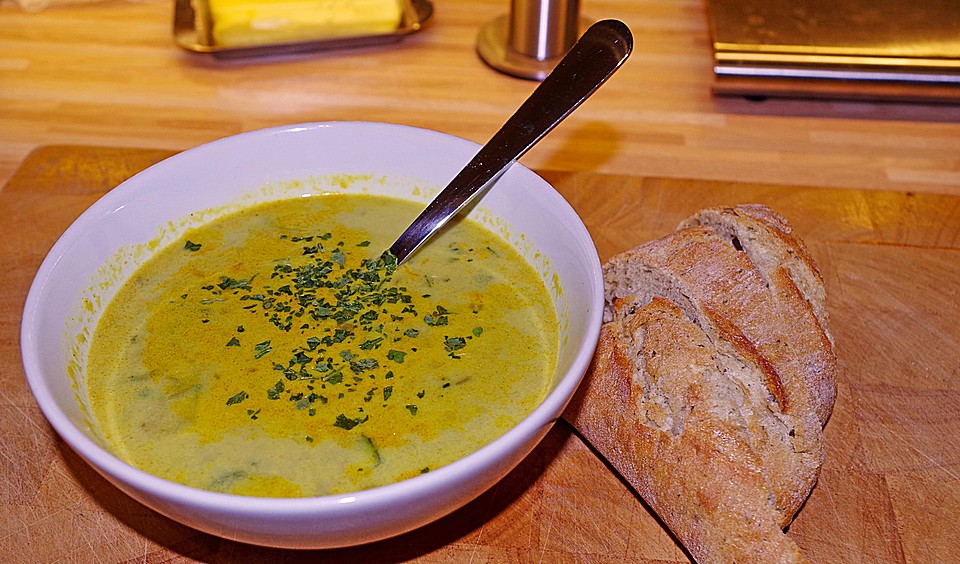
(542, 416)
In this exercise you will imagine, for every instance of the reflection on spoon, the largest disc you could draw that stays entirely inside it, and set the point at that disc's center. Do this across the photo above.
(591, 61)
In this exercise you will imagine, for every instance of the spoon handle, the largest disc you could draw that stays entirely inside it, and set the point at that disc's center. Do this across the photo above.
(591, 61)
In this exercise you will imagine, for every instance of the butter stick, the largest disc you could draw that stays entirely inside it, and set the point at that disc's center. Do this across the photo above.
(261, 22)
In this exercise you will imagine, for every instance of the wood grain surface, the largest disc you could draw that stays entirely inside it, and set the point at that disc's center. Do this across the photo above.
(108, 73)
(890, 488)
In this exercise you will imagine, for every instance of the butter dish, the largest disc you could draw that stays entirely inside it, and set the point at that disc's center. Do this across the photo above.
(241, 28)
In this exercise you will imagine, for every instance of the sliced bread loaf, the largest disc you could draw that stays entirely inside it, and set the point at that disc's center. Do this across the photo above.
(714, 375)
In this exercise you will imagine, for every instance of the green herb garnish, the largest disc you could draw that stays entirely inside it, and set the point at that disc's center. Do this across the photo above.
(237, 398)
(227, 283)
(347, 423)
(260, 349)
(345, 310)
(274, 392)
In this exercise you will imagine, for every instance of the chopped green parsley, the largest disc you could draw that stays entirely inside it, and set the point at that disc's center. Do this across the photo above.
(346, 313)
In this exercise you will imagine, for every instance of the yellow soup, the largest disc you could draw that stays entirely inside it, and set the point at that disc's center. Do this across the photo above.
(274, 352)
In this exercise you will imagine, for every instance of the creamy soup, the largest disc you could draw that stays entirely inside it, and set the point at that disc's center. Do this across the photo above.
(275, 352)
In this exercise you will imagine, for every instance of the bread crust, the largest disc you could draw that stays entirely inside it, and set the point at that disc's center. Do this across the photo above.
(705, 479)
(713, 378)
(784, 263)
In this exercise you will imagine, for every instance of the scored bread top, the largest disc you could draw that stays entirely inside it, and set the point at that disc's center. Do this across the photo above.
(747, 300)
(770, 243)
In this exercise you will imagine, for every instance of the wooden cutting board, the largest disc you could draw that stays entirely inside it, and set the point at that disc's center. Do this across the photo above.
(889, 491)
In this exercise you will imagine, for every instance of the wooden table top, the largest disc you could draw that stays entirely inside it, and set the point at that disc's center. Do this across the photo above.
(107, 73)
(92, 91)
(889, 490)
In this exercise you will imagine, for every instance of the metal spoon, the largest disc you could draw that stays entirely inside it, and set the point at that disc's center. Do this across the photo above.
(591, 61)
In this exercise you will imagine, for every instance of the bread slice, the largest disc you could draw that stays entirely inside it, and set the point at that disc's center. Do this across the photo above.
(714, 375)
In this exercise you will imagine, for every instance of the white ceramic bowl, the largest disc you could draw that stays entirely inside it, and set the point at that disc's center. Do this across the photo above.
(119, 232)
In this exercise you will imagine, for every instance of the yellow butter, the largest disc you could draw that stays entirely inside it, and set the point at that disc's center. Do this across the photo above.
(259, 22)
